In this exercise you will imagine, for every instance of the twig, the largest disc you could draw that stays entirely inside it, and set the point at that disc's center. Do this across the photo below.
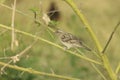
(4, 58)
(104, 58)
(20, 12)
(51, 43)
(94, 66)
(110, 38)
(3, 32)
(15, 10)
(21, 74)
(101, 74)
(17, 57)
(37, 72)
(117, 69)
(85, 22)
(4, 66)
(26, 49)
(52, 71)
(14, 41)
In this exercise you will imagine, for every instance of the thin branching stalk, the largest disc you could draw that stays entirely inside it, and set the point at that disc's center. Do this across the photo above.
(108, 68)
(51, 43)
(110, 38)
(94, 66)
(37, 72)
(13, 41)
(117, 69)
(104, 58)
(2, 70)
(87, 26)
(16, 58)
(32, 18)
(15, 10)
(99, 72)
(20, 12)
(3, 32)
(26, 49)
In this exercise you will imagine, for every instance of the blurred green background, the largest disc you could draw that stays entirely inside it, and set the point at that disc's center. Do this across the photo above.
(102, 15)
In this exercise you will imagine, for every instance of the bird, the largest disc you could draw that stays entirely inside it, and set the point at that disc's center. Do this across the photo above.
(53, 12)
(70, 41)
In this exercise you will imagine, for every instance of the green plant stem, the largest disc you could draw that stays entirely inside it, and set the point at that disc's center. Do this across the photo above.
(92, 34)
(88, 28)
(117, 69)
(82, 18)
(51, 43)
(37, 72)
(15, 10)
(20, 12)
(110, 38)
(101, 74)
(94, 66)
(107, 66)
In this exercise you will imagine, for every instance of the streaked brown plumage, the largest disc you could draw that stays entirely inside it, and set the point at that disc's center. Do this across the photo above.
(70, 41)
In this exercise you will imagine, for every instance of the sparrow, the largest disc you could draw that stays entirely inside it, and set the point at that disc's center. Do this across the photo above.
(70, 41)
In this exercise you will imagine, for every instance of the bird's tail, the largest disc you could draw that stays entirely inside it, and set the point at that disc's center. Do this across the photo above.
(86, 47)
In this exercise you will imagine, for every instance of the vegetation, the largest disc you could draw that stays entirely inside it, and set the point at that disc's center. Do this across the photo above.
(30, 50)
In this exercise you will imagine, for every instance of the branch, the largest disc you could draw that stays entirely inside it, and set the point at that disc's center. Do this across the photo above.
(37, 72)
(101, 74)
(13, 41)
(20, 12)
(104, 58)
(117, 69)
(17, 57)
(51, 43)
(85, 22)
(110, 38)
(15, 10)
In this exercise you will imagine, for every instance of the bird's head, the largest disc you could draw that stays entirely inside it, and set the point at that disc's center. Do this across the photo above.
(59, 32)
